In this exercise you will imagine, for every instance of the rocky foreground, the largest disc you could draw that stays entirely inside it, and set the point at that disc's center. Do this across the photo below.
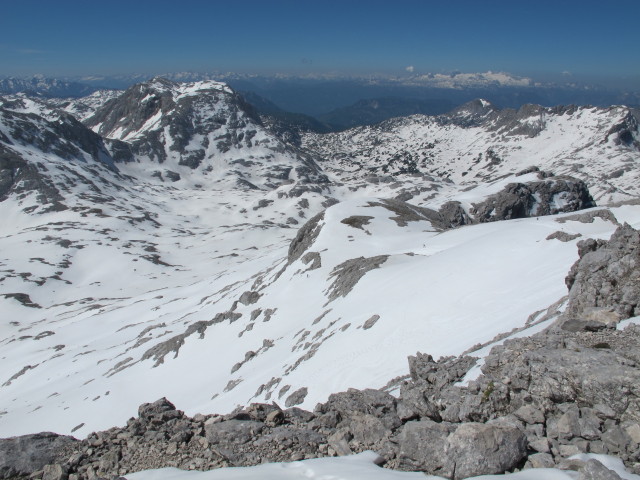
(572, 388)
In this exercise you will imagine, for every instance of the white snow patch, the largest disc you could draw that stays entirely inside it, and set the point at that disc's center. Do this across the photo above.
(360, 467)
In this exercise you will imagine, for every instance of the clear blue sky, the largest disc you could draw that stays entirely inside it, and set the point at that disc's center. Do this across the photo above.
(526, 37)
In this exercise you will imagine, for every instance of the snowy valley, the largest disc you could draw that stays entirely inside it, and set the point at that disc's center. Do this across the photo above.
(165, 241)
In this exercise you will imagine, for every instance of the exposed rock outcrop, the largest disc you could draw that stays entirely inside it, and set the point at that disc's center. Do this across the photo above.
(533, 199)
(348, 274)
(607, 277)
(305, 237)
(21, 456)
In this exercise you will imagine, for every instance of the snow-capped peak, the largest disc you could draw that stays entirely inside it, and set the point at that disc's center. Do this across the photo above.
(161, 84)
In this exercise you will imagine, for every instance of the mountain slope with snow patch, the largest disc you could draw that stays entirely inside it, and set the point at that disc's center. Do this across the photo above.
(477, 143)
(165, 252)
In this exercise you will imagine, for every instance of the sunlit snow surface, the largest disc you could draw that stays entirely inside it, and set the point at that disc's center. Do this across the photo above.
(80, 356)
(96, 301)
(358, 467)
(580, 142)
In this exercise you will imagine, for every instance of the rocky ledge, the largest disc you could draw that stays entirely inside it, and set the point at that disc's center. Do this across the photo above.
(572, 388)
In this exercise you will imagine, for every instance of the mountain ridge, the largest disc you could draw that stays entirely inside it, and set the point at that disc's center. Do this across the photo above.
(141, 277)
(477, 140)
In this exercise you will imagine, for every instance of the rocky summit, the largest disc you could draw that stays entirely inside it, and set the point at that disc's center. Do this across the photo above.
(186, 283)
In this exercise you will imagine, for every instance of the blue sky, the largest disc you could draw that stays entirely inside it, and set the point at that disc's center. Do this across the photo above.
(589, 39)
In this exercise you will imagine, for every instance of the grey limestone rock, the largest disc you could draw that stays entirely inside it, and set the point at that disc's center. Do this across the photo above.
(160, 410)
(454, 215)
(445, 371)
(594, 470)
(405, 213)
(17, 176)
(546, 197)
(422, 447)
(532, 169)
(563, 236)
(173, 345)
(313, 259)
(460, 451)
(21, 456)
(305, 237)
(530, 414)
(54, 472)
(296, 398)
(353, 401)
(607, 275)
(541, 460)
(484, 449)
(339, 441)
(357, 221)
(348, 274)
(580, 325)
(249, 298)
(305, 440)
(589, 217)
(233, 431)
(414, 402)
(368, 430)
(370, 322)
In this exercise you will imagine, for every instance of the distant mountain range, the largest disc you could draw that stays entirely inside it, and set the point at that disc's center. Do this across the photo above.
(45, 87)
(375, 110)
(338, 102)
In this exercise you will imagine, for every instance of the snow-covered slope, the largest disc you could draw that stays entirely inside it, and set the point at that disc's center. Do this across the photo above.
(48, 157)
(477, 143)
(84, 107)
(120, 285)
(130, 314)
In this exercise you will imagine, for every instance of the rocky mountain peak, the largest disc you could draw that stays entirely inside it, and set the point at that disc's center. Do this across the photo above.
(201, 129)
(470, 113)
(150, 105)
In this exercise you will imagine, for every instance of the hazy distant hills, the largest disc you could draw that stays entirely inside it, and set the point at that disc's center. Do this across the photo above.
(281, 119)
(45, 87)
(321, 94)
(376, 110)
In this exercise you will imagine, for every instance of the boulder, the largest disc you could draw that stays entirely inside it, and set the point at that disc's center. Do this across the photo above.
(158, 412)
(54, 472)
(594, 470)
(483, 449)
(454, 215)
(422, 447)
(355, 403)
(233, 431)
(469, 450)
